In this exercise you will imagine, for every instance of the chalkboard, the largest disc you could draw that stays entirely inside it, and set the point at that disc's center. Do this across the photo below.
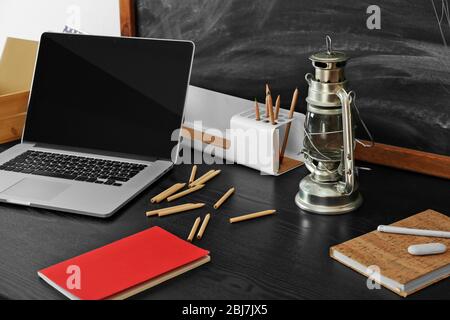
(400, 72)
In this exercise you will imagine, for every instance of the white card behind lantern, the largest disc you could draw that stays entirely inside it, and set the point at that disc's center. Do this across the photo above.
(28, 19)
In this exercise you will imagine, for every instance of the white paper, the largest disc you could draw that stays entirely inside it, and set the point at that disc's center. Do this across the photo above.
(28, 19)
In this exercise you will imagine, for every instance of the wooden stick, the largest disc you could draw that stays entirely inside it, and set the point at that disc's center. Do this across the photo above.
(258, 116)
(193, 173)
(293, 104)
(194, 229)
(198, 179)
(252, 216)
(224, 198)
(267, 97)
(203, 227)
(277, 107)
(166, 193)
(270, 104)
(152, 213)
(178, 210)
(288, 126)
(157, 211)
(185, 192)
(206, 179)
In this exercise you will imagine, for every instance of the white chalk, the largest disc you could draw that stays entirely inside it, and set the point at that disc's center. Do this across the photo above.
(414, 232)
(427, 249)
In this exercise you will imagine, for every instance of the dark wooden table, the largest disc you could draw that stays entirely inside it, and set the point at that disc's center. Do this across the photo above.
(280, 257)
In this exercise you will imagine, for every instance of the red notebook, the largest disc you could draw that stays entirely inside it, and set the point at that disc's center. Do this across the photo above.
(125, 267)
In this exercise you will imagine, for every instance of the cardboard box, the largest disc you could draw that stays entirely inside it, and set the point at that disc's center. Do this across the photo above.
(16, 73)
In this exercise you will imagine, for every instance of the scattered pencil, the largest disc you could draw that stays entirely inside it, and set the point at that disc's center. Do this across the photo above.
(194, 229)
(203, 227)
(193, 173)
(288, 126)
(166, 193)
(277, 107)
(206, 178)
(252, 216)
(157, 211)
(185, 192)
(258, 116)
(152, 213)
(224, 198)
(191, 206)
(198, 180)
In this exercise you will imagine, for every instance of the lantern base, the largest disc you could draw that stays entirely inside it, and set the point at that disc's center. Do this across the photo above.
(324, 198)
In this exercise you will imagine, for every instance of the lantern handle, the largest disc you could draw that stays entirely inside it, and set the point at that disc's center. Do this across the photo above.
(348, 185)
(329, 45)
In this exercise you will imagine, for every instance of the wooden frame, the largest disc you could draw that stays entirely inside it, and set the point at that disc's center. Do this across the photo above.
(406, 159)
(127, 18)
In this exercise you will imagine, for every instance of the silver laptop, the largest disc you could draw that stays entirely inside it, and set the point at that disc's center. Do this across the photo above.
(100, 123)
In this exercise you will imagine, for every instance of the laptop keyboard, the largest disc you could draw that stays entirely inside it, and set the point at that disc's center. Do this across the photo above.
(70, 167)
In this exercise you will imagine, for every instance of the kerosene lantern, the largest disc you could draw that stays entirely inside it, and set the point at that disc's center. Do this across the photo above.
(329, 142)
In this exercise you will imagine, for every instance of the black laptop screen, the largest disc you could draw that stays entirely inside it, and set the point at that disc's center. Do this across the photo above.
(114, 94)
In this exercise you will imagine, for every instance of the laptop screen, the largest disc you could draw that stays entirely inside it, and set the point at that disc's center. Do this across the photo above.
(121, 95)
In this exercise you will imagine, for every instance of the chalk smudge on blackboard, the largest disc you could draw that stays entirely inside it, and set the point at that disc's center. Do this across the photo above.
(401, 73)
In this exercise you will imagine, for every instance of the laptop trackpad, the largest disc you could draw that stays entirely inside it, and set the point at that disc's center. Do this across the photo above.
(35, 189)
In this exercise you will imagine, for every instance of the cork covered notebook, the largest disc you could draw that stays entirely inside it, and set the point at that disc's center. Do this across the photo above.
(398, 270)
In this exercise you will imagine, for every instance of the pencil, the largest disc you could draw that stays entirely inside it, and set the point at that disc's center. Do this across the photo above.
(168, 192)
(157, 211)
(267, 96)
(152, 213)
(252, 216)
(258, 116)
(224, 198)
(174, 210)
(288, 126)
(185, 192)
(203, 227)
(206, 178)
(277, 107)
(193, 173)
(270, 105)
(267, 90)
(293, 104)
(194, 229)
(203, 176)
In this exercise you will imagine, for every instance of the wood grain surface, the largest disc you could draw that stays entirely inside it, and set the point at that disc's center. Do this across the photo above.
(389, 251)
(127, 18)
(405, 159)
(283, 257)
(11, 127)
